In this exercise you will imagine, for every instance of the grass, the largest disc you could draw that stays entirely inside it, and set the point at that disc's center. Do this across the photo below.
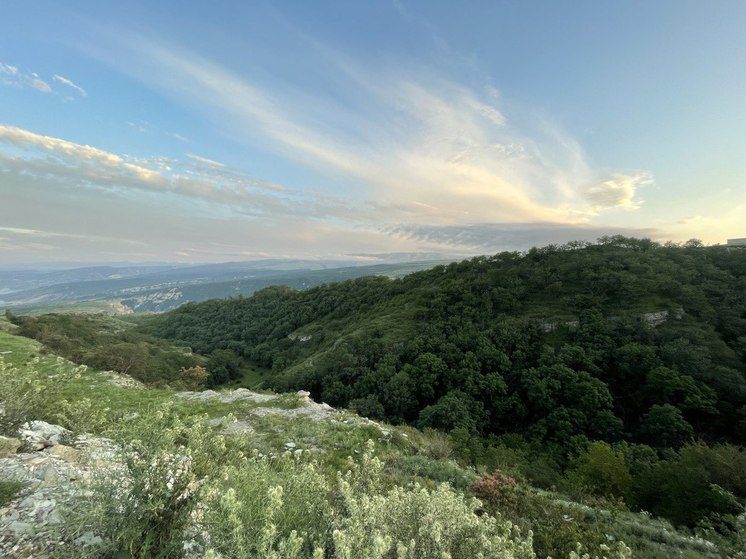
(8, 490)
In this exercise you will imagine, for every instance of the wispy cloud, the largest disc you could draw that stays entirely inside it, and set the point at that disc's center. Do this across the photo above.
(15, 77)
(198, 178)
(69, 83)
(413, 140)
(618, 190)
(491, 237)
(11, 75)
(205, 161)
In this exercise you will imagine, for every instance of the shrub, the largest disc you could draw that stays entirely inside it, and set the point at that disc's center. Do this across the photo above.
(22, 398)
(269, 505)
(285, 508)
(145, 497)
(700, 484)
(439, 471)
(193, 378)
(497, 489)
(419, 524)
(602, 470)
(8, 490)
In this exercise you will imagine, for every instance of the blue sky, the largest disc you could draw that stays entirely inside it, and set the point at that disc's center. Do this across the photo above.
(209, 131)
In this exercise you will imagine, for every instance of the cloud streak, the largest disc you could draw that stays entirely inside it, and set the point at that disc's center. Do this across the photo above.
(13, 76)
(492, 237)
(443, 150)
(76, 165)
(69, 83)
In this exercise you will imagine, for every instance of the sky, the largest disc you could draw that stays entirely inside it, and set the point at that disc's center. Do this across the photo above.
(208, 131)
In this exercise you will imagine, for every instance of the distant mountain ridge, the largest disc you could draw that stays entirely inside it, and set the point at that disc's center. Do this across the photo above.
(164, 287)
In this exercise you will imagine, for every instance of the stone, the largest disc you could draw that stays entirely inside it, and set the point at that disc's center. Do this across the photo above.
(48, 476)
(63, 452)
(227, 396)
(238, 428)
(20, 528)
(40, 434)
(8, 446)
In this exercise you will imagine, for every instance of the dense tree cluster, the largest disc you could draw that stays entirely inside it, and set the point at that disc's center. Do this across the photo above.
(624, 339)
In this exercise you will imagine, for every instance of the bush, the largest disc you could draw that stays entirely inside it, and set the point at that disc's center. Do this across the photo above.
(8, 490)
(499, 490)
(601, 470)
(439, 471)
(22, 399)
(145, 497)
(694, 487)
(285, 509)
(269, 505)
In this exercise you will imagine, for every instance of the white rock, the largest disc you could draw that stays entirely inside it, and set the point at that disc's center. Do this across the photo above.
(40, 434)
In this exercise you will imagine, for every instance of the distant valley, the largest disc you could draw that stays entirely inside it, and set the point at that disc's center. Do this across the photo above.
(124, 289)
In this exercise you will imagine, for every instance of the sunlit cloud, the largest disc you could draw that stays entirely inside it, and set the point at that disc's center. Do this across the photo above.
(416, 140)
(70, 164)
(618, 190)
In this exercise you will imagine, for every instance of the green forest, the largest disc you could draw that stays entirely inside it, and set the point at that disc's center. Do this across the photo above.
(615, 369)
(628, 342)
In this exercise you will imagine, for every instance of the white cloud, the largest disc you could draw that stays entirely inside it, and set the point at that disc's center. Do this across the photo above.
(618, 190)
(8, 70)
(493, 237)
(69, 83)
(205, 160)
(67, 163)
(12, 76)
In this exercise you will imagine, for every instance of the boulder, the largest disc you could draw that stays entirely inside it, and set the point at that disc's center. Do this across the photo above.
(40, 434)
(66, 453)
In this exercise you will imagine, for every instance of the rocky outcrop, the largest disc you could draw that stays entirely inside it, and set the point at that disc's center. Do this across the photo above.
(38, 435)
(307, 407)
(49, 472)
(227, 396)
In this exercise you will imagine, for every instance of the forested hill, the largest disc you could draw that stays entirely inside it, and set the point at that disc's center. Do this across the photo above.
(624, 339)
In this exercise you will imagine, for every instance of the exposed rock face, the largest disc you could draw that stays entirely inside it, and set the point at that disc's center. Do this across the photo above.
(49, 474)
(312, 411)
(228, 396)
(308, 408)
(40, 434)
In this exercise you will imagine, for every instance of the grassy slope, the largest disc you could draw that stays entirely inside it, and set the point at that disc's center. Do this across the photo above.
(65, 382)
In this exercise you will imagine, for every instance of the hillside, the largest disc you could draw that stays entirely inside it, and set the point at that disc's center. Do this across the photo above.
(621, 326)
(94, 464)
